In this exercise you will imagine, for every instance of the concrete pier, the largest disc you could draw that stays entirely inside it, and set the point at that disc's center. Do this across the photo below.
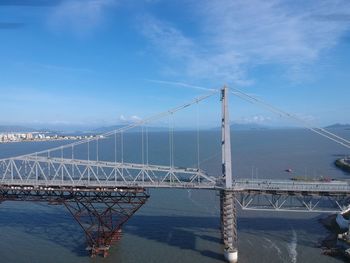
(227, 197)
(229, 225)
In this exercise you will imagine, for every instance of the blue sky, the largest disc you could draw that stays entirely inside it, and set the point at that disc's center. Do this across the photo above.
(92, 62)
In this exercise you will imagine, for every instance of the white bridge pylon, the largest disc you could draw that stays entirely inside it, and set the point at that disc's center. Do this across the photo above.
(53, 168)
(51, 172)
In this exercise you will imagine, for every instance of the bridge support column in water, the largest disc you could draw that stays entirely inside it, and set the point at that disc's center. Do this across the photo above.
(227, 199)
(102, 214)
(229, 225)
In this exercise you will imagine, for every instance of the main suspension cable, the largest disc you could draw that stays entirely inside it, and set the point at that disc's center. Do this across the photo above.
(133, 125)
(327, 134)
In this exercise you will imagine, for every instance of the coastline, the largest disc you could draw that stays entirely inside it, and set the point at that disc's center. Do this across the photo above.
(337, 242)
(41, 140)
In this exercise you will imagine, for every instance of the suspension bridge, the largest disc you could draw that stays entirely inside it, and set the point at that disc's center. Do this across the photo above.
(102, 195)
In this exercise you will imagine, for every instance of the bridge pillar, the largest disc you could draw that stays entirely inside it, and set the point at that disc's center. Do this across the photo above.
(229, 225)
(227, 197)
(102, 214)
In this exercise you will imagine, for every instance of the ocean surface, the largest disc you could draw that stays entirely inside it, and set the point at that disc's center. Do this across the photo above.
(183, 225)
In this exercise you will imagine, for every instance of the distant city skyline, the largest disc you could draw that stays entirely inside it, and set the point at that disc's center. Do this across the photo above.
(107, 62)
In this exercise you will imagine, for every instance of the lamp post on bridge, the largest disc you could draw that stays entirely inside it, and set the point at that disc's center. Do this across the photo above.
(228, 212)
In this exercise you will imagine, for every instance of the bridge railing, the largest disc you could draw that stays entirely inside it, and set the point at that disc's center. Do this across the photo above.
(291, 186)
(39, 170)
(296, 196)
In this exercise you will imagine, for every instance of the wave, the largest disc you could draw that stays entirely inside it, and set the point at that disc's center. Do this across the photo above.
(292, 247)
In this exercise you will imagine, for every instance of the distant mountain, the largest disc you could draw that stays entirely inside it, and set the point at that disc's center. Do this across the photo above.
(19, 128)
(247, 126)
(73, 130)
(106, 129)
(136, 129)
(16, 128)
(338, 126)
(77, 130)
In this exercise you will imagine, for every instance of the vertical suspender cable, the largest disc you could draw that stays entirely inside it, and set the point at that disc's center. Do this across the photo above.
(115, 156)
(169, 141)
(122, 149)
(172, 139)
(115, 147)
(72, 160)
(122, 145)
(36, 166)
(143, 154)
(197, 123)
(88, 151)
(147, 145)
(62, 162)
(88, 146)
(136, 124)
(97, 150)
(271, 108)
(142, 148)
(49, 166)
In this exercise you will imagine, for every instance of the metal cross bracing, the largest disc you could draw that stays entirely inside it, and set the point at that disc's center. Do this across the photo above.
(101, 214)
(295, 196)
(103, 195)
(293, 201)
(266, 186)
(38, 171)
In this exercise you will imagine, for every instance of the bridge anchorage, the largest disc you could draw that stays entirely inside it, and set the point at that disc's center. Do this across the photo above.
(103, 195)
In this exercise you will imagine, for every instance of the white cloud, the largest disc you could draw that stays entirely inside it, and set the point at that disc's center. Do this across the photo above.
(197, 61)
(255, 119)
(275, 31)
(234, 35)
(79, 16)
(129, 119)
(308, 118)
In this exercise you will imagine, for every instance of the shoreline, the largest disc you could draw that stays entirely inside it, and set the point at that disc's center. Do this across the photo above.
(336, 243)
(41, 140)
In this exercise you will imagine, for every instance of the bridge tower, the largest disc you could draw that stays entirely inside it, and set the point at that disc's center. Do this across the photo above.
(227, 199)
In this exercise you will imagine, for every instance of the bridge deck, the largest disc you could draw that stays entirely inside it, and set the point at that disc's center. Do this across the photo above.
(241, 185)
(289, 186)
(35, 172)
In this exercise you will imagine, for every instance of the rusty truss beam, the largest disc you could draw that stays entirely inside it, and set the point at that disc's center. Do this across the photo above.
(101, 214)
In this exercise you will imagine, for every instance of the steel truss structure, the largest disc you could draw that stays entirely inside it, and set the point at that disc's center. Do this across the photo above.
(46, 171)
(101, 214)
(293, 202)
(289, 187)
(103, 195)
(295, 196)
(228, 216)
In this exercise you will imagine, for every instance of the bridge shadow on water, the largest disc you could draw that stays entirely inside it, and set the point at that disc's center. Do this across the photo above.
(42, 221)
(56, 225)
(184, 230)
